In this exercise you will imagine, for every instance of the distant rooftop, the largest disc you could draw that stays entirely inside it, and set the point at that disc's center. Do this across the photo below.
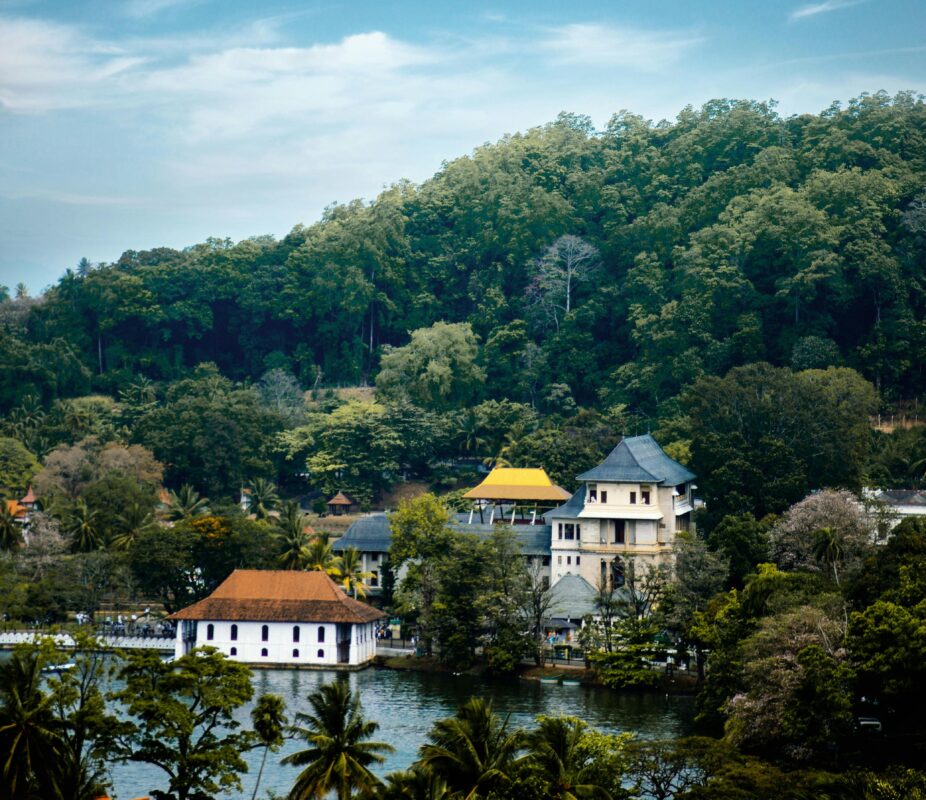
(638, 459)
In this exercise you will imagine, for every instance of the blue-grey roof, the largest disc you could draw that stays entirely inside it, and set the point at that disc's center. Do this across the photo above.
(638, 459)
(572, 597)
(373, 534)
(370, 534)
(571, 508)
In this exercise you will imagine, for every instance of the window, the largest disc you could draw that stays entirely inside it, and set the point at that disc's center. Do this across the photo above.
(569, 559)
(570, 531)
(295, 633)
(645, 497)
(210, 631)
(295, 653)
(375, 557)
(604, 572)
(263, 652)
(264, 633)
(374, 578)
(578, 560)
(619, 531)
(321, 634)
(559, 528)
(321, 653)
(233, 651)
(633, 498)
(234, 633)
(546, 561)
(604, 497)
(559, 560)
(578, 531)
(592, 493)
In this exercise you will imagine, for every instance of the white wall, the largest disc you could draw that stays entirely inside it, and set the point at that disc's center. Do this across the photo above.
(249, 645)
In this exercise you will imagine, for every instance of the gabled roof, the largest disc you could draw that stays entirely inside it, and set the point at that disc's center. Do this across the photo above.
(15, 509)
(571, 508)
(638, 459)
(256, 595)
(340, 499)
(505, 483)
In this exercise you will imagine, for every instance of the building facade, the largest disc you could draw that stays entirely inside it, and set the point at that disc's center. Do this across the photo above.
(281, 618)
(629, 506)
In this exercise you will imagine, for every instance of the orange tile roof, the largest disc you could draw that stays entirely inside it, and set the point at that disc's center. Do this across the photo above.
(279, 596)
(14, 508)
(30, 497)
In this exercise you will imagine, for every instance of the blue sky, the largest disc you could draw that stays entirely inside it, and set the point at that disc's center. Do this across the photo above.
(131, 124)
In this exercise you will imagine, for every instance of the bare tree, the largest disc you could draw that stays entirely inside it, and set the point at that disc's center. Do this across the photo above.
(537, 604)
(566, 263)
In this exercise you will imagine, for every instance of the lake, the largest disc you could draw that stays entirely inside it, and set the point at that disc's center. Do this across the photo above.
(406, 704)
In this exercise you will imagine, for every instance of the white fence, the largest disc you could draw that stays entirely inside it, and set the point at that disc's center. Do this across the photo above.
(9, 639)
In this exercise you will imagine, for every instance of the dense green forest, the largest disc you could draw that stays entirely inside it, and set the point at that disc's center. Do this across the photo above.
(729, 236)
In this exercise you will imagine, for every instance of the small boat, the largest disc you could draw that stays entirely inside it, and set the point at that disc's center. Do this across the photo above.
(58, 669)
(550, 680)
(571, 682)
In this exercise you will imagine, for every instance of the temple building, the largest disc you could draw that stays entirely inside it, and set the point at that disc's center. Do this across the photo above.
(281, 618)
(630, 505)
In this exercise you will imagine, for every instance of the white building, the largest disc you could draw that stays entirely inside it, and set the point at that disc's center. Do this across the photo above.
(630, 505)
(281, 618)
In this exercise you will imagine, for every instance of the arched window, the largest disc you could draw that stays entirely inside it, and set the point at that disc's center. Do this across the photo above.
(321, 634)
(234, 633)
(233, 651)
(295, 654)
(210, 631)
(295, 633)
(263, 652)
(321, 653)
(265, 633)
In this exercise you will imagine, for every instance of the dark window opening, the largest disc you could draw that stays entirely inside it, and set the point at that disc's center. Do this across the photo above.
(295, 654)
(570, 531)
(633, 498)
(321, 634)
(233, 651)
(264, 633)
(604, 497)
(321, 653)
(263, 652)
(645, 498)
(546, 561)
(295, 633)
(234, 633)
(619, 531)
(210, 631)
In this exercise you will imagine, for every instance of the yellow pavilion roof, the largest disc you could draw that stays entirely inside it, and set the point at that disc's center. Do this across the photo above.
(506, 483)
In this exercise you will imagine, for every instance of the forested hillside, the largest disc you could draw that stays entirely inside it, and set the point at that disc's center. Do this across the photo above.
(729, 236)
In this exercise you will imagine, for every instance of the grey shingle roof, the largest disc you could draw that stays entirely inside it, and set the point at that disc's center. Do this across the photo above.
(638, 459)
(571, 508)
(370, 534)
(571, 597)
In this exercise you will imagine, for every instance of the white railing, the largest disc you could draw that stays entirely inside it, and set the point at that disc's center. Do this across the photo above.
(9, 639)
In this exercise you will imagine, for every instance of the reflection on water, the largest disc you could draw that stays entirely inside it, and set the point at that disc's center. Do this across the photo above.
(406, 704)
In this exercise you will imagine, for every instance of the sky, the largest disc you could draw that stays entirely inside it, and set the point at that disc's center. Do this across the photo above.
(132, 124)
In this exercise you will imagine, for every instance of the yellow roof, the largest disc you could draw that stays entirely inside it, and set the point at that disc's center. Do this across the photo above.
(506, 483)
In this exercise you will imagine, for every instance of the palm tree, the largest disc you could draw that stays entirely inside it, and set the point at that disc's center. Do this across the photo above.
(413, 784)
(82, 526)
(10, 530)
(556, 756)
(320, 555)
(472, 751)
(292, 537)
(264, 498)
(30, 735)
(828, 548)
(339, 754)
(353, 576)
(135, 521)
(269, 721)
(186, 504)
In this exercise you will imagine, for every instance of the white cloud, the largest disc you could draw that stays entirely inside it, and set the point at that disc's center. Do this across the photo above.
(606, 45)
(138, 9)
(824, 7)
